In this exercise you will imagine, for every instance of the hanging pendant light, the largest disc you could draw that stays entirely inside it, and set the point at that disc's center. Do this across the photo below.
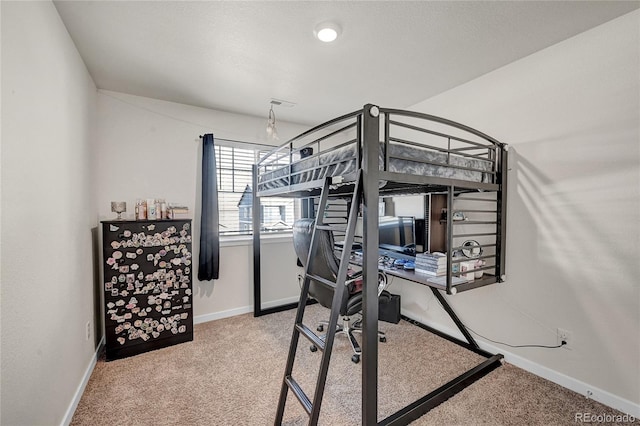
(272, 133)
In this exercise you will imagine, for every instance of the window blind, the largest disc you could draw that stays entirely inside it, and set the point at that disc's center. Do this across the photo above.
(235, 199)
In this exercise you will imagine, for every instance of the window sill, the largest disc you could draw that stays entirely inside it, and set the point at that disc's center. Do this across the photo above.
(247, 240)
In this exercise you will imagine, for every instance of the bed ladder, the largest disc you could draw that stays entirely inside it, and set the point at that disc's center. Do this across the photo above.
(323, 343)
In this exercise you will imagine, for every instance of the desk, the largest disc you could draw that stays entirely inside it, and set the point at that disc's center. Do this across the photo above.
(423, 279)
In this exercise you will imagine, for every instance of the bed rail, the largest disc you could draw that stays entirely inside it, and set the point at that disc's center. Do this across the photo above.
(412, 143)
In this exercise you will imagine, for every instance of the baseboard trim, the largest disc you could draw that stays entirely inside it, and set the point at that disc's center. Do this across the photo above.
(222, 314)
(241, 310)
(68, 416)
(580, 387)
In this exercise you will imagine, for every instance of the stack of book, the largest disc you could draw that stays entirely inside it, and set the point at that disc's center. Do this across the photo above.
(177, 211)
(431, 263)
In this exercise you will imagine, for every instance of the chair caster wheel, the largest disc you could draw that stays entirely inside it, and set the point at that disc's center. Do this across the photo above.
(355, 359)
(320, 328)
(313, 348)
(383, 339)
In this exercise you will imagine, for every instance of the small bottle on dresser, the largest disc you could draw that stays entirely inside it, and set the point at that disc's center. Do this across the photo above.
(158, 211)
(141, 209)
(151, 209)
(163, 209)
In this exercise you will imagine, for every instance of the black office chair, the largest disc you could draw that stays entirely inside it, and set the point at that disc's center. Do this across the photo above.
(326, 266)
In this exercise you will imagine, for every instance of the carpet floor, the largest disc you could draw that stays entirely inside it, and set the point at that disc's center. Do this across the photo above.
(231, 375)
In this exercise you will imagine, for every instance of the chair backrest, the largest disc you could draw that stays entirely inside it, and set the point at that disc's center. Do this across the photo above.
(324, 263)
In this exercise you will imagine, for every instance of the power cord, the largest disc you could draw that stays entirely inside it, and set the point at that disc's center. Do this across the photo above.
(563, 342)
(515, 346)
(300, 279)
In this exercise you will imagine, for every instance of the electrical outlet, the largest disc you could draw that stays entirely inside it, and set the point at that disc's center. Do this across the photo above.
(88, 330)
(565, 336)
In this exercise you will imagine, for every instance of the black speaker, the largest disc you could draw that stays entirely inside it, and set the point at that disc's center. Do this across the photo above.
(420, 234)
(306, 152)
(389, 309)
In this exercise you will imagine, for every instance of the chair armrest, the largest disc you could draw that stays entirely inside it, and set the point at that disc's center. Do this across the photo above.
(352, 275)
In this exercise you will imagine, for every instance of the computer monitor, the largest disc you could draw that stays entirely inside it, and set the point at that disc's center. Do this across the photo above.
(397, 234)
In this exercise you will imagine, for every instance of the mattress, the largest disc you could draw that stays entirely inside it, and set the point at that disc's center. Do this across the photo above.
(403, 158)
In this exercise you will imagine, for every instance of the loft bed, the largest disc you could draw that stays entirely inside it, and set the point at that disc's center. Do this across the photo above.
(463, 173)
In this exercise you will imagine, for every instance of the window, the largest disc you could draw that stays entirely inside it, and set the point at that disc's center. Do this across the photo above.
(235, 198)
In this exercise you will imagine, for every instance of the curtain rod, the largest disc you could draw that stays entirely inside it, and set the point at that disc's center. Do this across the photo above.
(242, 142)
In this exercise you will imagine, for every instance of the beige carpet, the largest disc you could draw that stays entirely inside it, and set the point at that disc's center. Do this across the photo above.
(231, 375)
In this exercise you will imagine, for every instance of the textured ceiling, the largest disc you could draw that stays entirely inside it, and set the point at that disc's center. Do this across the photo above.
(237, 55)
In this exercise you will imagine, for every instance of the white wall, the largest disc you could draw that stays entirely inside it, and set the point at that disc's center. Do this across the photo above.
(149, 148)
(48, 212)
(570, 113)
(571, 116)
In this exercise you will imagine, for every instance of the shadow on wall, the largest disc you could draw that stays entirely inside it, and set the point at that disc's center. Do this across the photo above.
(577, 250)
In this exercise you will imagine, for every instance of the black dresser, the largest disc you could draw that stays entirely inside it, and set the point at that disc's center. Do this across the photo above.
(147, 285)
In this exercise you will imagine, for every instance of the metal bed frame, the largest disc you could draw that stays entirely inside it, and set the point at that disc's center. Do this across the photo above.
(363, 128)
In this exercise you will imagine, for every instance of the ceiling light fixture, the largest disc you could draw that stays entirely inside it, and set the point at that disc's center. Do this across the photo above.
(271, 124)
(327, 31)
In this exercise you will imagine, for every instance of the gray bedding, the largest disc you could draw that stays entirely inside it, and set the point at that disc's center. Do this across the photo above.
(402, 159)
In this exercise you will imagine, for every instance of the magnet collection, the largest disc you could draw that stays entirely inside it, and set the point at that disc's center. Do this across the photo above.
(147, 282)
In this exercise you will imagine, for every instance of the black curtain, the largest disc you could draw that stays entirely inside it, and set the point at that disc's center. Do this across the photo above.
(208, 266)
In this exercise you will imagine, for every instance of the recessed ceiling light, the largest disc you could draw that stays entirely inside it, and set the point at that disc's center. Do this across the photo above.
(327, 31)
